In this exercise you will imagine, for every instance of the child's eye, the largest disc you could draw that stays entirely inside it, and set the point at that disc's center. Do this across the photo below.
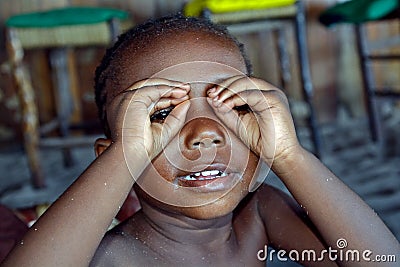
(242, 109)
(160, 115)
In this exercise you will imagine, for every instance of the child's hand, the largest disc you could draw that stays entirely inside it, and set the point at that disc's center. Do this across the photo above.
(265, 123)
(148, 114)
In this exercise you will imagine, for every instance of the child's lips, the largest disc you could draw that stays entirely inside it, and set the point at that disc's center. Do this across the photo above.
(208, 180)
(201, 178)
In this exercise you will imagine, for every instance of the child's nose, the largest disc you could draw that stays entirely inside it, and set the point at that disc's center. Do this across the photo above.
(203, 130)
(204, 133)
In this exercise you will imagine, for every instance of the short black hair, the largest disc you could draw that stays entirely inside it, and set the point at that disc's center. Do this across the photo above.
(105, 72)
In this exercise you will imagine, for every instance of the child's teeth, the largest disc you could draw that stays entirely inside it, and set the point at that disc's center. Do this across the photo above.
(189, 177)
(209, 173)
(204, 175)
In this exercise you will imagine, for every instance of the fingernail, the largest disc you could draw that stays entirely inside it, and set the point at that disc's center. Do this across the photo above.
(216, 101)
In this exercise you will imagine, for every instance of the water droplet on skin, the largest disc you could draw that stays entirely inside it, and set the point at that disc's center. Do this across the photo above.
(35, 229)
(22, 242)
(72, 199)
(202, 258)
(176, 186)
(105, 184)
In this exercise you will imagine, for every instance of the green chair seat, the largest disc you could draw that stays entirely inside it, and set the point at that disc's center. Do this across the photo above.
(71, 26)
(65, 16)
(359, 11)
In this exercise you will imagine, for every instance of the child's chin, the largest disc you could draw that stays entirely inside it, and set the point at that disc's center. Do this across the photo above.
(200, 213)
(211, 209)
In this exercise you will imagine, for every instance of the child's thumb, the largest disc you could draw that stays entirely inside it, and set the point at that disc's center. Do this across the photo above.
(174, 122)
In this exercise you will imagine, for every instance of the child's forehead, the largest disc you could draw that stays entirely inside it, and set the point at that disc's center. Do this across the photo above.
(184, 56)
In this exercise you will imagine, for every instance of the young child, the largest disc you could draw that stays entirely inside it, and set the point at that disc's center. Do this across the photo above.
(189, 128)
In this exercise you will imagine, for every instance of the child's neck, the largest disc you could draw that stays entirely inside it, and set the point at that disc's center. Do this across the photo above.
(188, 231)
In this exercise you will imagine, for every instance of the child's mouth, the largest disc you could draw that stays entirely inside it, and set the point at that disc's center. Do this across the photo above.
(204, 175)
(208, 179)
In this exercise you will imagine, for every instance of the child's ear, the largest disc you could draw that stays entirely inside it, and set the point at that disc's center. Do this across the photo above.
(101, 145)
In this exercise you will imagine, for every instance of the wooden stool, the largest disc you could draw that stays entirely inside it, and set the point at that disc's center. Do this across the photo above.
(56, 30)
(269, 15)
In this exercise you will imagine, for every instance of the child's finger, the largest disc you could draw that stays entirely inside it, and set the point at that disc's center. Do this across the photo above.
(149, 95)
(233, 88)
(167, 102)
(239, 85)
(259, 103)
(137, 105)
(156, 81)
(213, 92)
(227, 105)
(171, 126)
(229, 116)
(255, 99)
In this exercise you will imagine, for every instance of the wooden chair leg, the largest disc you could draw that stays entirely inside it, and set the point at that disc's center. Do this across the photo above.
(31, 144)
(301, 38)
(283, 56)
(64, 102)
(29, 113)
(368, 83)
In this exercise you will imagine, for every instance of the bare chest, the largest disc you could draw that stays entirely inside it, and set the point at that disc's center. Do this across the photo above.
(239, 250)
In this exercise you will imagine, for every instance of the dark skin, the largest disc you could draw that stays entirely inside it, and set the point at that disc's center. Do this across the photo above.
(231, 225)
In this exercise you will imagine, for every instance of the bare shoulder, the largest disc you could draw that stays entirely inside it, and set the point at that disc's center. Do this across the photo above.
(112, 249)
(273, 201)
(287, 224)
(261, 213)
(267, 201)
(119, 248)
(283, 217)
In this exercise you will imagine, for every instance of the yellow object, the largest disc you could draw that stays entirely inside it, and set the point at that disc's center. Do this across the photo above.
(195, 7)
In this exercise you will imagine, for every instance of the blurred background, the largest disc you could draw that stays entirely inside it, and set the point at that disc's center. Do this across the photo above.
(370, 167)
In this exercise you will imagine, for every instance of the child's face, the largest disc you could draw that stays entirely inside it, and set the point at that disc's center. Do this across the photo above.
(204, 143)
